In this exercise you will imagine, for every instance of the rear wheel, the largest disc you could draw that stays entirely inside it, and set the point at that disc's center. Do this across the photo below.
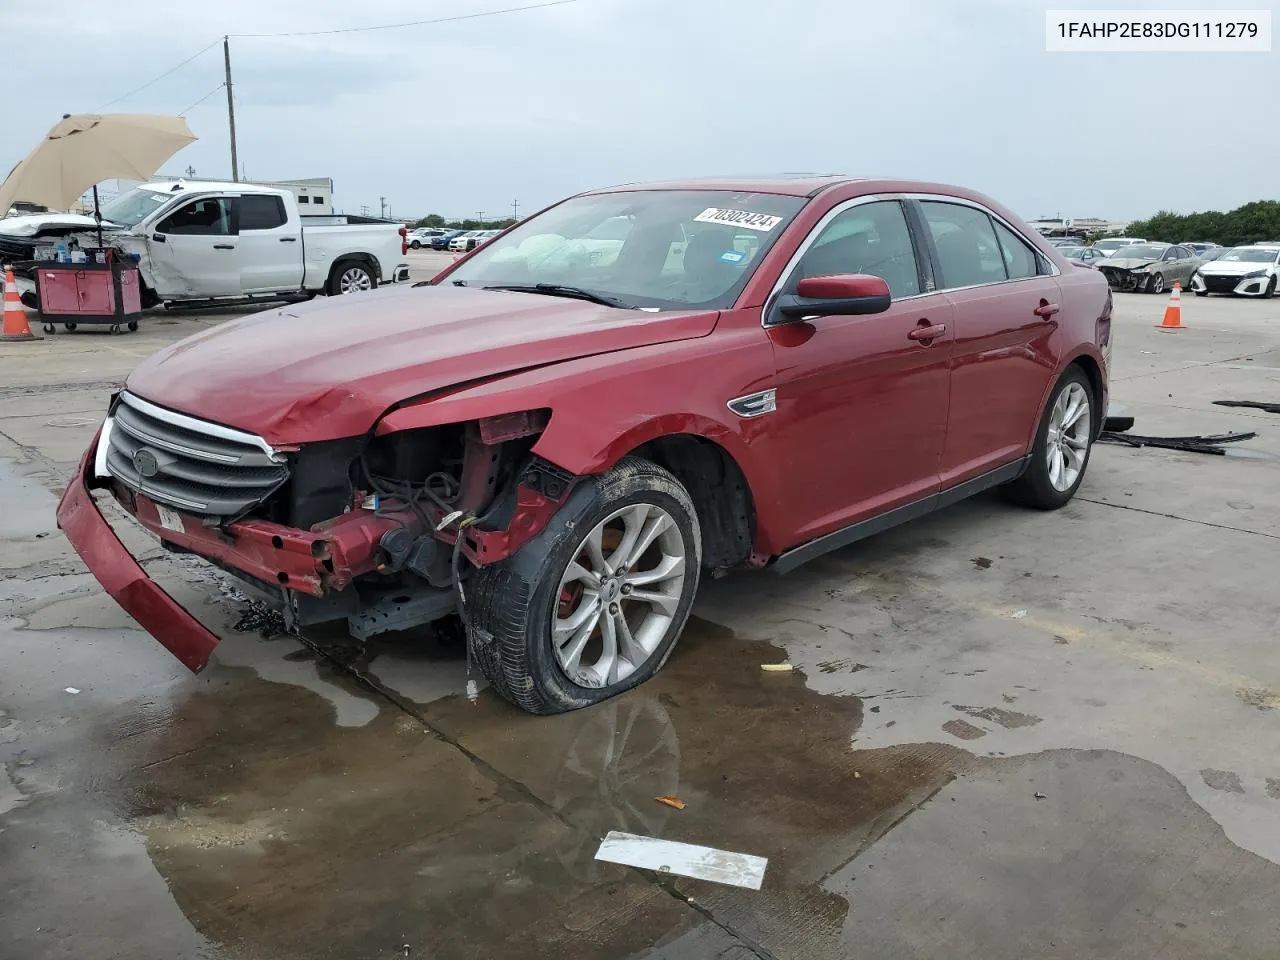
(351, 276)
(594, 604)
(1062, 447)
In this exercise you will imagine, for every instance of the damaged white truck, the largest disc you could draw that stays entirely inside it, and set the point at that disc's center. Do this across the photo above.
(201, 242)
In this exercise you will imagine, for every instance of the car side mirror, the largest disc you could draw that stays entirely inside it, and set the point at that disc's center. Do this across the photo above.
(843, 295)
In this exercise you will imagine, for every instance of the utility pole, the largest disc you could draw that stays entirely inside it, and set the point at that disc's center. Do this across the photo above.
(480, 217)
(231, 109)
(515, 209)
(382, 202)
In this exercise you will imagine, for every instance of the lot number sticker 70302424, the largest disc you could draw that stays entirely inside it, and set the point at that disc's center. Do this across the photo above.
(763, 222)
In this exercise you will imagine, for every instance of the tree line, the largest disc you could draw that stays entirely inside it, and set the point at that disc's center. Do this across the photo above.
(1257, 222)
(435, 220)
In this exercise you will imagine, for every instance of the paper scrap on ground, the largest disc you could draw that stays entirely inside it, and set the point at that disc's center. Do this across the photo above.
(72, 690)
(671, 801)
(684, 859)
(777, 667)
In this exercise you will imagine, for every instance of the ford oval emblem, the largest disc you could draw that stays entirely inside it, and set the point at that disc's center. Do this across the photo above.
(144, 461)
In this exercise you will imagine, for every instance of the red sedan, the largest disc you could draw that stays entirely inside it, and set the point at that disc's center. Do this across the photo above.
(558, 435)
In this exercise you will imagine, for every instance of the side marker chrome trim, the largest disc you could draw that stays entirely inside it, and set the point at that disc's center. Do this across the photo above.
(755, 404)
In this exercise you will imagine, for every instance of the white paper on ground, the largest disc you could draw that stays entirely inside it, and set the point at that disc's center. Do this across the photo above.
(685, 859)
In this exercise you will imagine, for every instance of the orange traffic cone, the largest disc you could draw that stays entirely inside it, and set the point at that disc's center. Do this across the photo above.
(1173, 312)
(15, 317)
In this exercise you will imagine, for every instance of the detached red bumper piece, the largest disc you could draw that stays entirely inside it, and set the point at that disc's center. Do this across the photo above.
(122, 576)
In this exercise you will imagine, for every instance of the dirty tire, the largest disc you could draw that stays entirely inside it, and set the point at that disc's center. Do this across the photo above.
(1034, 488)
(510, 604)
(354, 269)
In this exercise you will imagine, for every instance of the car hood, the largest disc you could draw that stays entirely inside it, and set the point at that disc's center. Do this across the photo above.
(1233, 268)
(329, 368)
(31, 224)
(1129, 263)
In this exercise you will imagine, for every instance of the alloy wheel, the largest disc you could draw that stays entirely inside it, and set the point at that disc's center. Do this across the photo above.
(1067, 442)
(355, 280)
(618, 595)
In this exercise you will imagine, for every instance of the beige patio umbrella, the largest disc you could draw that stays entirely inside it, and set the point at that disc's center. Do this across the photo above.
(84, 149)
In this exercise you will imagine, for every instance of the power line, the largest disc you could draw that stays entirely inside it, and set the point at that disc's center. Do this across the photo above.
(396, 26)
(183, 113)
(159, 78)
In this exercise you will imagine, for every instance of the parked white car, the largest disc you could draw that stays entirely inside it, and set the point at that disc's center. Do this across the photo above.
(1251, 271)
(1111, 244)
(464, 241)
(213, 241)
(421, 237)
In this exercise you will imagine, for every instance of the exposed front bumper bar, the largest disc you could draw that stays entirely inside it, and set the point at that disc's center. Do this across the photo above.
(123, 577)
(313, 562)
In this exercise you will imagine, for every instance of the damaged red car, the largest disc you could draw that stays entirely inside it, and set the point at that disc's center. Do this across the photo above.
(560, 434)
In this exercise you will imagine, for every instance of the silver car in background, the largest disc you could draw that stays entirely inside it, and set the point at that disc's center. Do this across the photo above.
(1149, 267)
(1244, 271)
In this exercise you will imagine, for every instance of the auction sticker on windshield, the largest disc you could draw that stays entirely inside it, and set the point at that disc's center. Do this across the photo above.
(763, 222)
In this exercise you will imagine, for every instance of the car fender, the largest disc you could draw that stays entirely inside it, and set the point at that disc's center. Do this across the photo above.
(1083, 350)
(605, 406)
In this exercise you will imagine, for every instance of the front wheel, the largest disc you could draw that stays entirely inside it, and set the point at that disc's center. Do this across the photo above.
(1270, 292)
(1156, 284)
(415, 245)
(594, 604)
(1062, 447)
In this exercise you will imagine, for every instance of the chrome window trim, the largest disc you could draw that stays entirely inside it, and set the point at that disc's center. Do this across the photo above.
(808, 242)
(200, 426)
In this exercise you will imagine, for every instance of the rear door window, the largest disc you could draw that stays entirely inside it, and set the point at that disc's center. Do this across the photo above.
(965, 240)
(1019, 259)
(261, 212)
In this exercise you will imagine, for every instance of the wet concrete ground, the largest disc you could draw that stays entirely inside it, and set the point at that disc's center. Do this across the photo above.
(1009, 734)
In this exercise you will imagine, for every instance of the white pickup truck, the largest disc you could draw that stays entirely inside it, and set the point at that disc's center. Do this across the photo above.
(212, 241)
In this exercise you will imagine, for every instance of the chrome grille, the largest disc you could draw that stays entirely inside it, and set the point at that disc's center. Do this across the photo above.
(193, 465)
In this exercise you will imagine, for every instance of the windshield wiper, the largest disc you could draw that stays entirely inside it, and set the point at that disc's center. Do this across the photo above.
(561, 290)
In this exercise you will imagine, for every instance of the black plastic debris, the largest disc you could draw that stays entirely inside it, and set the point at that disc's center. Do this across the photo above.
(1254, 404)
(1206, 443)
(258, 618)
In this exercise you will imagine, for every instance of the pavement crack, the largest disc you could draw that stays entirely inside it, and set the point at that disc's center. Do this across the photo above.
(33, 455)
(521, 790)
(874, 837)
(1174, 516)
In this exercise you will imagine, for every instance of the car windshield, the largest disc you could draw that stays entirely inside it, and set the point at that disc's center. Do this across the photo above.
(1250, 255)
(656, 249)
(1110, 244)
(1140, 251)
(131, 208)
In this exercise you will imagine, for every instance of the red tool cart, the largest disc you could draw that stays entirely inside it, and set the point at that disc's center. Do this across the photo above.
(103, 290)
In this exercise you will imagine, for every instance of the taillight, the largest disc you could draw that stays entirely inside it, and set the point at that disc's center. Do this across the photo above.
(404, 241)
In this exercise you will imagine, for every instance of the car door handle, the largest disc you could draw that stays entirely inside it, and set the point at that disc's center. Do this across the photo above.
(1046, 310)
(224, 246)
(159, 238)
(288, 239)
(927, 333)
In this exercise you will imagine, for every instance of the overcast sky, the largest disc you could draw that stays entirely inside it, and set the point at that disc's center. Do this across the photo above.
(460, 117)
